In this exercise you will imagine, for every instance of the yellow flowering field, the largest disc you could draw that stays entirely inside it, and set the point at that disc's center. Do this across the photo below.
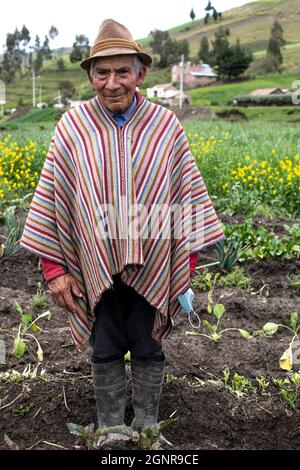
(21, 160)
(245, 165)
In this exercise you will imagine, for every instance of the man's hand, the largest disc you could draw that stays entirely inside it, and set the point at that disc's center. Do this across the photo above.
(63, 290)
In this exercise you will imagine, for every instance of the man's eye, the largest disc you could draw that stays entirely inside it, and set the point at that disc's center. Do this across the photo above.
(101, 73)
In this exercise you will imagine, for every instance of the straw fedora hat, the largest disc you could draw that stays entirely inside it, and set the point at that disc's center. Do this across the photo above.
(115, 39)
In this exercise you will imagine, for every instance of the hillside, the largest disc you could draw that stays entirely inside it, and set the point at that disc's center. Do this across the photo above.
(250, 23)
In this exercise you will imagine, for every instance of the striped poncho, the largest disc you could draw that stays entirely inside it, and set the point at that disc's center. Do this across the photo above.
(127, 200)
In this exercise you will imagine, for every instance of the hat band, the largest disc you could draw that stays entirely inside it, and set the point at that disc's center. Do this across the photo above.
(114, 43)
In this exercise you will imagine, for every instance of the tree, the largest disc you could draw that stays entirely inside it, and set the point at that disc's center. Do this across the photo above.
(158, 40)
(47, 53)
(25, 36)
(37, 57)
(236, 62)
(15, 54)
(268, 64)
(192, 14)
(53, 32)
(60, 63)
(76, 54)
(215, 14)
(204, 53)
(17, 58)
(168, 49)
(12, 58)
(67, 89)
(80, 48)
(275, 43)
(41, 52)
(277, 33)
(172, 52)
(229, 61)
(220, 44)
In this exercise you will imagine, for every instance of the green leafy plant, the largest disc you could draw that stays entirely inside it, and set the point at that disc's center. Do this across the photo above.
(236, 278)
(28, 324)
(15, 226)
(217, 310)
(229, 251)
(40, 298)
(262, 385)
(289, 390)
(294, 280)
(239, 384)
(270, 328)
(202, 281)
(22, 410)
(261, 243)
(149, 438)
(19, 203)
(127, 356)
(94, 439)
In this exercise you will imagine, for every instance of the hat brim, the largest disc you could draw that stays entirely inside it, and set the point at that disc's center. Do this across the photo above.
(146, 59)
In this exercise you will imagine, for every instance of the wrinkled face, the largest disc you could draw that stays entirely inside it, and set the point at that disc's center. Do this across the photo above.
(115, 79)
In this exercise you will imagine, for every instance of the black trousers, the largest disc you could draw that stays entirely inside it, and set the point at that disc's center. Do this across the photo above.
(124, 322)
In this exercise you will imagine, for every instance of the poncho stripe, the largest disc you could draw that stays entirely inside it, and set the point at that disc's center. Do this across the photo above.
(93, 165)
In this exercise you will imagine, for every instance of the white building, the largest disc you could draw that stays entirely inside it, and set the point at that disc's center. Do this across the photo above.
(168, 95)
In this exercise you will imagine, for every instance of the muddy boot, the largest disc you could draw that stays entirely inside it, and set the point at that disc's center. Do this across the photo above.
(147, 380)
(109, 381)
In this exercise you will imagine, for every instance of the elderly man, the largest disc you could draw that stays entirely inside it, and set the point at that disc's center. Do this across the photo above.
(117, 218)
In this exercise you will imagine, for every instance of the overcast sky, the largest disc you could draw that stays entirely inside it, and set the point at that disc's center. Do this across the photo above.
(84, 17)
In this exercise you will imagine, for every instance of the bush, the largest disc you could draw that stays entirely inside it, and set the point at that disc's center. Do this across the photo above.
(265, 100)
(268, 64)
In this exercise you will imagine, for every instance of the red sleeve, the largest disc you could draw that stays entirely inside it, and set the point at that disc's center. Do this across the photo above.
(193, 262)
(51, 270)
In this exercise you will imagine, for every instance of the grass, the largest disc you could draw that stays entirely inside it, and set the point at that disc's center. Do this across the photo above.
(35, 116)
(21, 89)
(224, 94)
(251, 23)
(272, 114)
(23, 132)
(291, 57)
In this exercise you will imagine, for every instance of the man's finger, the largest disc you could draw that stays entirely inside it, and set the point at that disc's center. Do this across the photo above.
(59, 300)
(69, 301)
(75, 289)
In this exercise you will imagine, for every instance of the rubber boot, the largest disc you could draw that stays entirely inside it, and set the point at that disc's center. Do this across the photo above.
(147, 380)
(110, 381)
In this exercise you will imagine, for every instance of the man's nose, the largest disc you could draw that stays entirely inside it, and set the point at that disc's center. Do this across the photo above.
(112, 82)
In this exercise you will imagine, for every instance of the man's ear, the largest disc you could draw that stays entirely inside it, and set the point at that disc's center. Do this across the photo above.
(142, 75)
(89, 78)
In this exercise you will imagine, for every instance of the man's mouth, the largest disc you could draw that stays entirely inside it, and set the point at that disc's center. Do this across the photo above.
(115, 98)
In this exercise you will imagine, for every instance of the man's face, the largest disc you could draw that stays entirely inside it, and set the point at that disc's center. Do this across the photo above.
(115, 80)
